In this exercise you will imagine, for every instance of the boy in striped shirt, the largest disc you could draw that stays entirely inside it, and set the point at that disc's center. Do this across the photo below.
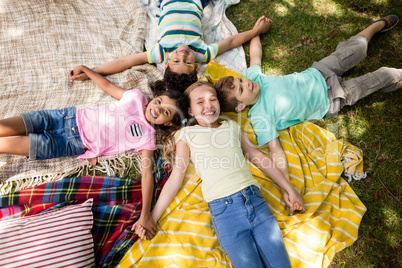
(180, 44)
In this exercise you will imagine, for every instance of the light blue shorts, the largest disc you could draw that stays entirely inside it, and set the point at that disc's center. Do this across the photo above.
(52, 134)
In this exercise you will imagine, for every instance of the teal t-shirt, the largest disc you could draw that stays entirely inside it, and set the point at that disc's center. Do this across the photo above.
(286, 100)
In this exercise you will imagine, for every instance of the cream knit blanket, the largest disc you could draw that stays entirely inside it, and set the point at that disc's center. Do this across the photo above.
(40, 40)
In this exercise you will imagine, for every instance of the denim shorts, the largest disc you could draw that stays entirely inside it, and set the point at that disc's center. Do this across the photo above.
(247, 230)
(52, 134)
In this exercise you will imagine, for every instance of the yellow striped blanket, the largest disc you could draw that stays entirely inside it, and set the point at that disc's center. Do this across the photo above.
(334, 212)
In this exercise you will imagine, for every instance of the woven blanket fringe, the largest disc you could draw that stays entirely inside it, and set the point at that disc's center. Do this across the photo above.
(117, 166)
(352, 176)
(10, 186)
(108, 165)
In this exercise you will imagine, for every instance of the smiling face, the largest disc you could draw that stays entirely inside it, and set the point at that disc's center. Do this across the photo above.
(182, 60)
(160, 110)
(204, 106)
(245, 91)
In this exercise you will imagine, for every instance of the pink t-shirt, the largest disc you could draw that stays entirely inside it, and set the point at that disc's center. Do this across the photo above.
(116, 127)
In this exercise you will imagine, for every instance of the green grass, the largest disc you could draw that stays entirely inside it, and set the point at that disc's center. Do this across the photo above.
(305, 31)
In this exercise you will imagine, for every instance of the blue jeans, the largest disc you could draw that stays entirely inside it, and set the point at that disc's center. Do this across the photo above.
(248, 231)
(52, 134)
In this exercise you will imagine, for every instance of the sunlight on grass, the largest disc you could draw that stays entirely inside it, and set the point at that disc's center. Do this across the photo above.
(271, 71)
(391, 216)
(392, 222)
(280, 54)
(281, 9)
(353, 125)
(383, 2)
(325, 8)
(379, 105)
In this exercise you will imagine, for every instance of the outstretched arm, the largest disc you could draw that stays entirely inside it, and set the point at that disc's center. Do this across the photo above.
(255, 51)
(293, 199)
(278, 157)
(170, 188)
(147, 190)
(100, 81)
(261, 26)
(114, 66)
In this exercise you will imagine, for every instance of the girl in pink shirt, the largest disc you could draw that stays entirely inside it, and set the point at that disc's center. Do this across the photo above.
(128, 124)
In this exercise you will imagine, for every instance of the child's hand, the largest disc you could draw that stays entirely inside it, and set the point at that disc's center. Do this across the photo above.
(145, 227)
(77, 74)
(141, 232)
(294, 201)
(263, 24)
(93, 161)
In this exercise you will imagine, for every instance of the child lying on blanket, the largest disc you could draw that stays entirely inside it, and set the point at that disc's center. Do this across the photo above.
(180, 44)
(278, 102)
(104, 130)
(216, 148)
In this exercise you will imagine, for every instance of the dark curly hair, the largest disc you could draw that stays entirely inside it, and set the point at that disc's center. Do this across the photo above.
(179, 81)
(160, 88)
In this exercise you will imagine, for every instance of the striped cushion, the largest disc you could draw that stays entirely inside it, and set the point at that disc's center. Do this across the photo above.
(60, 237)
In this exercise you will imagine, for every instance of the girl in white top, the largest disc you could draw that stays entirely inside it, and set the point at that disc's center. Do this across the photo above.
(216, 148)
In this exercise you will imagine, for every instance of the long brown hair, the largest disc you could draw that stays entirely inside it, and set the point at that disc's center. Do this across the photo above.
(169, 140)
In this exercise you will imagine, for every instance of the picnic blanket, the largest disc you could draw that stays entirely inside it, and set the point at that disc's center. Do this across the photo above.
(316, 161)
(215, 26)
(40, 40)
(117, 204)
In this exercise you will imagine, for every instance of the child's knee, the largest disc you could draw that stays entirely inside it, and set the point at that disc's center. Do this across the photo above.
(393, 74)
(357, 43)
(391, 78)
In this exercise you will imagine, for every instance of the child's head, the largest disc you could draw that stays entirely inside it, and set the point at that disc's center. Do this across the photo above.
(167, 108)
(203, 103)
(181, 69)
(237, 93)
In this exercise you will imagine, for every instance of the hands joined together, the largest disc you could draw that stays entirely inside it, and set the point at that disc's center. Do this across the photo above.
(77, 74)
(294, 201)
(145, 227)
(263, 24)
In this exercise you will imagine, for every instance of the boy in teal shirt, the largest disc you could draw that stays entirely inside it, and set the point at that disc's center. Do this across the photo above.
(278, 102)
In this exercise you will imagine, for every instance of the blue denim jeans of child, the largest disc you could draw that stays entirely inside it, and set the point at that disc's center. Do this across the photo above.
(247, 230)
(52, 134)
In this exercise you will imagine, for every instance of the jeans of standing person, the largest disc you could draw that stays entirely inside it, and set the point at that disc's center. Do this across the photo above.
(247, 230)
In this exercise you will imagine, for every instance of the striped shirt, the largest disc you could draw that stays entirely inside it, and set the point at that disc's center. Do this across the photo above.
(180, 23)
